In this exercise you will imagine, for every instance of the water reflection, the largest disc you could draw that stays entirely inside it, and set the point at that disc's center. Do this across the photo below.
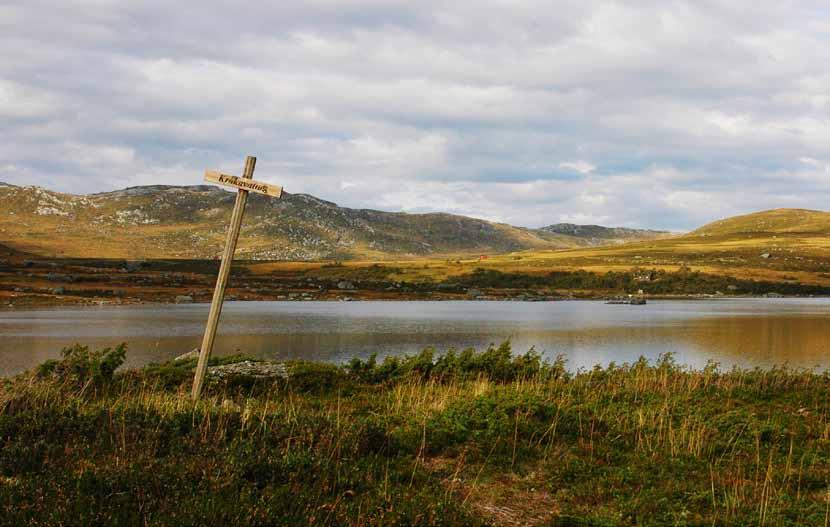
(759, 332)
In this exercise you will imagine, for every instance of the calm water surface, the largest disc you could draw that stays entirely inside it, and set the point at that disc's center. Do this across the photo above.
(746, 332)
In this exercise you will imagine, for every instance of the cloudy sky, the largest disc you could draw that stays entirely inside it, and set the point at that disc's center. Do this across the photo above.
(639, 113)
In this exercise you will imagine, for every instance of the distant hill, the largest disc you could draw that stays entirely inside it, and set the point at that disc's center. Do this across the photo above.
(599, 235)
(190, 222)
(790, 245)
(781, 221)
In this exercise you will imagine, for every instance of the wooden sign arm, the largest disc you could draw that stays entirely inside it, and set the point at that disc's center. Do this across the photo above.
(222, 281)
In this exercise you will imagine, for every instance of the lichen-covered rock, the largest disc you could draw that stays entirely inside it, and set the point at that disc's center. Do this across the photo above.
(192, 354)
(256, 370)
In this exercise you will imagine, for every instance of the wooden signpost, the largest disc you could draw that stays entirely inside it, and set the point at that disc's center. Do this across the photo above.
(245, 185)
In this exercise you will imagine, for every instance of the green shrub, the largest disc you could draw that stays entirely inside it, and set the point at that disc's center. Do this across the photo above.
(315, 377)
(496, 425)
(497, 363)
(80, 366)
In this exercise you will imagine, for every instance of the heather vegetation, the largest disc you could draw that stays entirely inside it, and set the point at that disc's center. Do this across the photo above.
(651, 281)
(461, 438)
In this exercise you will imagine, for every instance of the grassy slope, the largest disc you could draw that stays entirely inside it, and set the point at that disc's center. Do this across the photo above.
(477, 439)
(797, 242)
(770, 221)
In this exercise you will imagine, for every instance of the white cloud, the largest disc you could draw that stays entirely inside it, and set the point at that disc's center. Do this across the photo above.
(22, 101)
(815, 163)
(583, 167)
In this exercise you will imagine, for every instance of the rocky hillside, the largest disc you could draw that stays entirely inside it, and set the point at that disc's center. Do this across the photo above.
(190, 222)
(599, 235)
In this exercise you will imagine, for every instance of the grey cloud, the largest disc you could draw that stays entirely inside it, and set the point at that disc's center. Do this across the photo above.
(642, 113)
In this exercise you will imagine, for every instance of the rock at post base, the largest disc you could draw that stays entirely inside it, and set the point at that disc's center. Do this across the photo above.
(192, 354)
(247, 368)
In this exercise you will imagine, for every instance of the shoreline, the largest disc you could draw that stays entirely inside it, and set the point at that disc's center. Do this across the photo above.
(68, 301)
(28, 283)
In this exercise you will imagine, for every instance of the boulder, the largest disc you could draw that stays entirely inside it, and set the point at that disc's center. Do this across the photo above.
(192, 354)
(132, 267)
(247, 368)
(345, 284)
(58, 291)
(184, 299)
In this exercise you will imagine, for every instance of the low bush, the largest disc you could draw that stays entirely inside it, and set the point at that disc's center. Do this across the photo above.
(496, 363)
(79, 366)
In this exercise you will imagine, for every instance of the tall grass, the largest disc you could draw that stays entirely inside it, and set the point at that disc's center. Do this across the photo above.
(461, 439)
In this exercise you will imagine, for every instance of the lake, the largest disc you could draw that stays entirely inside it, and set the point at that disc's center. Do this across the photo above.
(745, 332)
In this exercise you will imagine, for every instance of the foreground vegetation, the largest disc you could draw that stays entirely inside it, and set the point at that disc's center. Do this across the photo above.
(458, 439)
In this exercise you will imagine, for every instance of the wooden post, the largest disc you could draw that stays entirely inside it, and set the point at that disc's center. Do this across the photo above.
(222, 281)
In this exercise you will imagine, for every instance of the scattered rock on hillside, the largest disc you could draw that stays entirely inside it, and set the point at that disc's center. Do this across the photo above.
(184, 299)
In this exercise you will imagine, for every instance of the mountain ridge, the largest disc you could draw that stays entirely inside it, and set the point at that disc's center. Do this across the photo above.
(179, 221)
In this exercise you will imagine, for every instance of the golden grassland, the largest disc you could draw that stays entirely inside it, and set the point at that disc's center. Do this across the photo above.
(781, 245)
(792, 257)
